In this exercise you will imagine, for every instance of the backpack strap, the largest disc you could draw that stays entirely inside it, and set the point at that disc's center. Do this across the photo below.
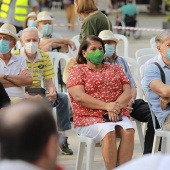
(161, 71)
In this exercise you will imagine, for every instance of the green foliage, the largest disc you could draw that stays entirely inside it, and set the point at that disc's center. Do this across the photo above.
(167, 2)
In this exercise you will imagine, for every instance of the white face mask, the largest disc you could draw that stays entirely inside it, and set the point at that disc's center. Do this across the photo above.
(31, 47)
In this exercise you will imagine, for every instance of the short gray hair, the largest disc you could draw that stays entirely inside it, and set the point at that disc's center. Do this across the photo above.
(29, 29)
(160, 38)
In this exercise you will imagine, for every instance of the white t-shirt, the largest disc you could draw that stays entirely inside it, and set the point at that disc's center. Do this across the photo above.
(14, 67)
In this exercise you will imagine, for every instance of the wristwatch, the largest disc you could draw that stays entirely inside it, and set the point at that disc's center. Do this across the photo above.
(5, 76)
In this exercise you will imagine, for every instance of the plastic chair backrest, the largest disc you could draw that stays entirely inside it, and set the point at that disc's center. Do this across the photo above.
(141, 60)
(55, 58)
(147, 98)
(152, 42)
(146, 51)
(125, 41)
(72, 53)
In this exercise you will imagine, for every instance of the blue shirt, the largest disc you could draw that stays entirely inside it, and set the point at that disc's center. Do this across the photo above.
(121, 62)
(152, 73)
(128, 9)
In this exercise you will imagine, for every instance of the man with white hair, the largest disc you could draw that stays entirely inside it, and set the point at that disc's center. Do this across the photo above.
(14, 74)
(156, 81)
(49, 39)
(40, 66)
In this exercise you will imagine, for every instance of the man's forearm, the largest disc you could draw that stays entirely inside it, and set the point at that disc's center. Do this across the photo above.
(6, 83)
(20, 80)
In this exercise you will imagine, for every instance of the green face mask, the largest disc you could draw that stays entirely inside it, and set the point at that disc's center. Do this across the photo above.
(95, 57)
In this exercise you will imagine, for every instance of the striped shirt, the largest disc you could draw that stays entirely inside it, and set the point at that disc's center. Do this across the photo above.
(124, 65)
(40, 69)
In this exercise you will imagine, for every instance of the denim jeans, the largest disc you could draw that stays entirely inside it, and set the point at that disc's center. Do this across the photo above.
(63, 112)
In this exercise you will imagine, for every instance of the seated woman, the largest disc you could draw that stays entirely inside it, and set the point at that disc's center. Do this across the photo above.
(98, 90)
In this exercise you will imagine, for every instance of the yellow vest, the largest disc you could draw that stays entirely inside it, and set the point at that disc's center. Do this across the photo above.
(21, 9)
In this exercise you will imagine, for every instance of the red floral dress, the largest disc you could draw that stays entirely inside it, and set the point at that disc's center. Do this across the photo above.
(105, 85)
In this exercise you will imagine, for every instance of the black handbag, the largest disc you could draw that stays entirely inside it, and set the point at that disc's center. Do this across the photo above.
(35, 91)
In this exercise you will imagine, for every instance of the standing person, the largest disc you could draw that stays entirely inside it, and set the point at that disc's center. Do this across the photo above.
(70, 12)
(103, 5)
(99, 94)
(94, 21)
(4, 99)
(29, 137)
(16, 11)
(138, 108)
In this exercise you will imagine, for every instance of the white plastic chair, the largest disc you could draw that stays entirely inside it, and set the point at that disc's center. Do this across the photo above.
(90, 148)
(146, 51)
(72, 53)
(90, 144)
(152, 42)
(165, 147)
(55, 58)
(125, 42)
(141, 60)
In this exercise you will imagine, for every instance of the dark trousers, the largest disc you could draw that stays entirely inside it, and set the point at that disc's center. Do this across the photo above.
(141, 112)
(4, 98)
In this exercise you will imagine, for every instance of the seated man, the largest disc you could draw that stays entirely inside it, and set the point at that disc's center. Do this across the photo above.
(29, 138)
(40, 65)
(14, 74)
(153, 84)
(138, 108)
(50, 40)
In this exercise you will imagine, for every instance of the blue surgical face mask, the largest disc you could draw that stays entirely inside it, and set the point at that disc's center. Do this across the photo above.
(4, 46)
(109, 50)
(47, 29)
(168, 54)
(31, 23)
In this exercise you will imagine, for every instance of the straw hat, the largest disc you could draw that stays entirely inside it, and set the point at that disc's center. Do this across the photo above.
(9, 29)
(69, 64)
(108, 35)
(42, 16)
(31, 14)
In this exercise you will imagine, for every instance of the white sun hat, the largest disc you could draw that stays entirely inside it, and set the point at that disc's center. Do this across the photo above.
(9, 29)
(108, 35)
(42, 16)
